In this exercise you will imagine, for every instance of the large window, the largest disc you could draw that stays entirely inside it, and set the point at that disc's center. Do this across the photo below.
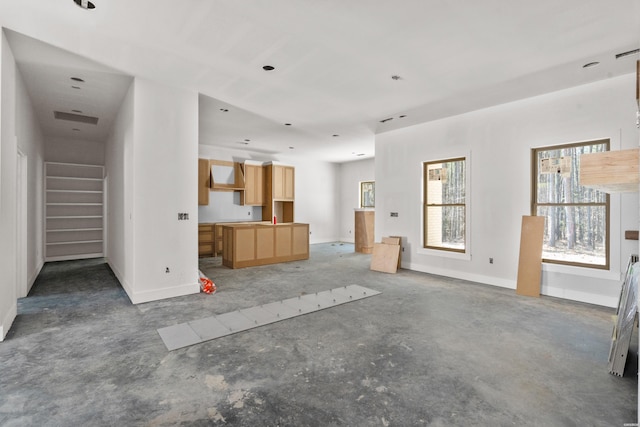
(577, 217)
(445, 205)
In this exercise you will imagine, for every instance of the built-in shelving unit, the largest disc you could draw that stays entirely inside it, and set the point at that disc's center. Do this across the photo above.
(74, 211)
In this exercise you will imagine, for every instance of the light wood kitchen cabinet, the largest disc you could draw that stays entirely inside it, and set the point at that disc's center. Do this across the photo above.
(253, 194)
(279, 193)
(364, 230)
(206, 240)
(283, 182)
(247, 245)
(204, 182)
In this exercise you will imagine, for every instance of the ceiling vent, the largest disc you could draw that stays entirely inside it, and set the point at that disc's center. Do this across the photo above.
(627, 53)
(60, 115)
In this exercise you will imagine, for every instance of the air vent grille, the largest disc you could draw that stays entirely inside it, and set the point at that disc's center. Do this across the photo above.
(60, 115)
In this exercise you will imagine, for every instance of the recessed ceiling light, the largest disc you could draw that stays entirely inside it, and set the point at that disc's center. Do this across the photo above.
(396, 77)
(85, 4)
(590, 64)
(76, 87)
(402, 116)
(268, 68)
(291, 148)
(386, 120)
(76, 111)
(247, 140)
(77, 79)
(287, 124)
(335, 135)
(224, 110)
(75, 130)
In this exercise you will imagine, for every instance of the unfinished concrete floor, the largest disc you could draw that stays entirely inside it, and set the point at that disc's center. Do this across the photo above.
(428, 351)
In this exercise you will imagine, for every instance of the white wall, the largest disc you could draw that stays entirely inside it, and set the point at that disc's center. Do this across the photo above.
(351, 175)
(31, 143)
(316, 193)
(74, 151)
(18, 128)
(8, 153)
(118, 155)
(498, 141)
(165, 182)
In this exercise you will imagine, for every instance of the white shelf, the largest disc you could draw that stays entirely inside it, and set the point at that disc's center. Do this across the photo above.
(70, 230)
(73, 242)
(74, 199)
(73, 204)
(75, 191)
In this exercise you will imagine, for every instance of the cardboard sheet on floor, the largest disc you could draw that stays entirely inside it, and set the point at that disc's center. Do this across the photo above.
(385, 257)
(530, 261)
(202, 330)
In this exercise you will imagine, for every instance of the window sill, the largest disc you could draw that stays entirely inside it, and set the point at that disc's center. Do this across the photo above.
(580, 271)
(445, 254)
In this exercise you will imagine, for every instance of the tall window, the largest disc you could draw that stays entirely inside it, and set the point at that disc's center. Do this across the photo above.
(577, 217)
(445, 205)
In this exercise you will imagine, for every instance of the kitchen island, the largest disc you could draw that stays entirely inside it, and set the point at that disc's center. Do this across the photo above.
(247, 245)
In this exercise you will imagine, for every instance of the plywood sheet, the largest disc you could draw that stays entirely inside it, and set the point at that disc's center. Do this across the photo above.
(385, 258)
(530, 261)
(611, 171)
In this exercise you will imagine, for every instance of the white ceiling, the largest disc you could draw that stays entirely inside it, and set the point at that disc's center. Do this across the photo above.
(333, 61)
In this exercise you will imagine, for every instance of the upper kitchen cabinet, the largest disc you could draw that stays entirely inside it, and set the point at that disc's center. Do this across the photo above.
(254, 180)
(204, 181)
(279, 193)
(283, 182)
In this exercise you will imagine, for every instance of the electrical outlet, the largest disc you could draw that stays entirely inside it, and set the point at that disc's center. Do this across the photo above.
(249, 213)
(183, 216)
(394, 214)
(167, 270)
(490, 260)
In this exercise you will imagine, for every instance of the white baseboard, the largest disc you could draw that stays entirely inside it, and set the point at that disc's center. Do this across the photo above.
(8, 320)
(158, 294)
(573, 295)
(125, 285)
(479, 278)
(34, 276)
(317, 241)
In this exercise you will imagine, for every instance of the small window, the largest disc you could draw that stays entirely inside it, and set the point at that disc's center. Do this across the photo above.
(445, 205)
(367, 194)
(576, 217)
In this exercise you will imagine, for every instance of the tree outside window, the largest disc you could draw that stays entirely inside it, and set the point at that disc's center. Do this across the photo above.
(367, 194)
(576, 217)
(445, 205)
